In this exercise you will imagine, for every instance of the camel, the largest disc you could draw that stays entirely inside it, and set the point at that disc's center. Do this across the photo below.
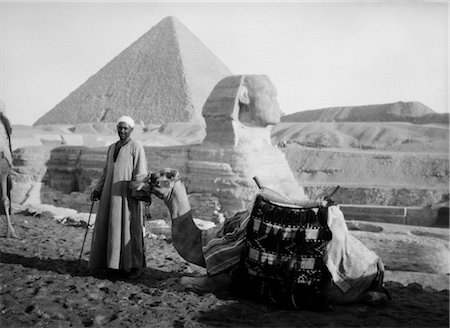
(5, 171)
(190, 241)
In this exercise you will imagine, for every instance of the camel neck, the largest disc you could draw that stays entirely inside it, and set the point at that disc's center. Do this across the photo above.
(177, 201)
(187, 215)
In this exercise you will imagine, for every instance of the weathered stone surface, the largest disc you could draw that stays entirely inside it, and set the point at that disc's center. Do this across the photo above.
(227, 186)
(392, 137)
(400, 111)
(64, 165)
(240, 101)
(29, 168)
(206, 169)
(328, 166)
(397, 250)
(228, 174)
(383, 195)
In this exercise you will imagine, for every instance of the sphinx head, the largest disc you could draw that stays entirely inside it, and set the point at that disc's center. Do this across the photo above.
(258, 104)
(239, 103)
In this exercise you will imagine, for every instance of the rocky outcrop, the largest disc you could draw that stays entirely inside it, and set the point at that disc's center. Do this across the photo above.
(365, 136)
(164, 76)
(29, 171)
(414, 112)
(360, 169)
(216, 179)
(380, 195)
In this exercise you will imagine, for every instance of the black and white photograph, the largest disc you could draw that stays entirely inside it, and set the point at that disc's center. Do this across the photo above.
(197, 164)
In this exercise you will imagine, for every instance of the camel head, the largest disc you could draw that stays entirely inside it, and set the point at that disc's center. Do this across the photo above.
(162, 182)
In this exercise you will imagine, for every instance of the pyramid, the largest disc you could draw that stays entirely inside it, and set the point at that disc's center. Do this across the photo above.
(164, 76)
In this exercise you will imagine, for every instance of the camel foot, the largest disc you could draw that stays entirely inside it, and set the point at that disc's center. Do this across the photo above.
(372, 297)
(208, 284)
(12, 234)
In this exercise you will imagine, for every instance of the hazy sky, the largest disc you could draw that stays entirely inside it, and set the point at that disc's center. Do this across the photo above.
(317, 54)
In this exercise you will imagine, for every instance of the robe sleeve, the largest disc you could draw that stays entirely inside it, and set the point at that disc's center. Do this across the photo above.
(101, 180)
(139, 162)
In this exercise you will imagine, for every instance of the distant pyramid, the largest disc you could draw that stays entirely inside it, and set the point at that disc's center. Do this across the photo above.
(164, 76)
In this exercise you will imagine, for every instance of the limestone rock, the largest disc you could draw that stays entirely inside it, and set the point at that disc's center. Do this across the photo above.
(29, 168)
(415, 112)
(239, 116)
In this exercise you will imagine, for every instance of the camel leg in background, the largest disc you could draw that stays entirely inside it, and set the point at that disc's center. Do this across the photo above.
(4, 173)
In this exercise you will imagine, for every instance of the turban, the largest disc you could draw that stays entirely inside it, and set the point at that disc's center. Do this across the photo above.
(127, 120)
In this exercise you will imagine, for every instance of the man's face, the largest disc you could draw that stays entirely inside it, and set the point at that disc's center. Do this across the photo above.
(124, 130)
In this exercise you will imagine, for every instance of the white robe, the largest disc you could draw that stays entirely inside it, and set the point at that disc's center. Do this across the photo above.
(117, 240)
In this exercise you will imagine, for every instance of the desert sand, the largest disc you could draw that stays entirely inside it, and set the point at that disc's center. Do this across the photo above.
(42, 288)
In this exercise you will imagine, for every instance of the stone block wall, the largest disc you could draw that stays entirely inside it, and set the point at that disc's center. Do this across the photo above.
(215, 178)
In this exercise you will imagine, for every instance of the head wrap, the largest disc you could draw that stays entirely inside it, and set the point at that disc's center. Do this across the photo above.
(127, 120)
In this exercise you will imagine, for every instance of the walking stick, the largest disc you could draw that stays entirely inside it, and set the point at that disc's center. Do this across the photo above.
(258, 183)
(84, 240)
(329, 197)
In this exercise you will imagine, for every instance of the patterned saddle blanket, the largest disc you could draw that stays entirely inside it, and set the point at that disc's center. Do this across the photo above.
(283, 256)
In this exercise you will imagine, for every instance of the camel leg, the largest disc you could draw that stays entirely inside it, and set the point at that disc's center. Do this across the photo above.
(11, 232)
(6, 205)
(208, 284)
(368, 290)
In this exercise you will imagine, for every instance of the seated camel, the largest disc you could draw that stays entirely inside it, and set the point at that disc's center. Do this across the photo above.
(355, 272)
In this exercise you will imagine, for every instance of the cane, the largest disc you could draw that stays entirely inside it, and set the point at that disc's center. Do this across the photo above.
(329, 197)
(258, 183)
(85, 235)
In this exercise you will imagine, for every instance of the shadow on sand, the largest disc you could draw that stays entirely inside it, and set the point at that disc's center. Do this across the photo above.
(150, 277)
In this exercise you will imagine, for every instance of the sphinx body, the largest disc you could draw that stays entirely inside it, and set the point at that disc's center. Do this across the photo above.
(356, 272)
(239, 114)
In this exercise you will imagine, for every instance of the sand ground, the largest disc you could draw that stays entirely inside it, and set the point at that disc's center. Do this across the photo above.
(40, 288)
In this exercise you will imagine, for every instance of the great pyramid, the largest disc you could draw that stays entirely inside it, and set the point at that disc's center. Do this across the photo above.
(164, 76)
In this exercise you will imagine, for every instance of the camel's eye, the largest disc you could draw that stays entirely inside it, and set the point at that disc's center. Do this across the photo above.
(162, 184)
(171, 174)
(153, 181)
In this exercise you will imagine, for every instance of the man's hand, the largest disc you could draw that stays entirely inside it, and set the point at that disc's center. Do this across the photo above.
(137, 185)
(95, 195)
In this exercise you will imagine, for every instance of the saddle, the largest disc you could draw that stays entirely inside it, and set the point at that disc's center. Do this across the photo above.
(283, 256)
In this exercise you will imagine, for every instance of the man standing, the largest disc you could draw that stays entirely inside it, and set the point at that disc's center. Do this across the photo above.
(117, 240)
